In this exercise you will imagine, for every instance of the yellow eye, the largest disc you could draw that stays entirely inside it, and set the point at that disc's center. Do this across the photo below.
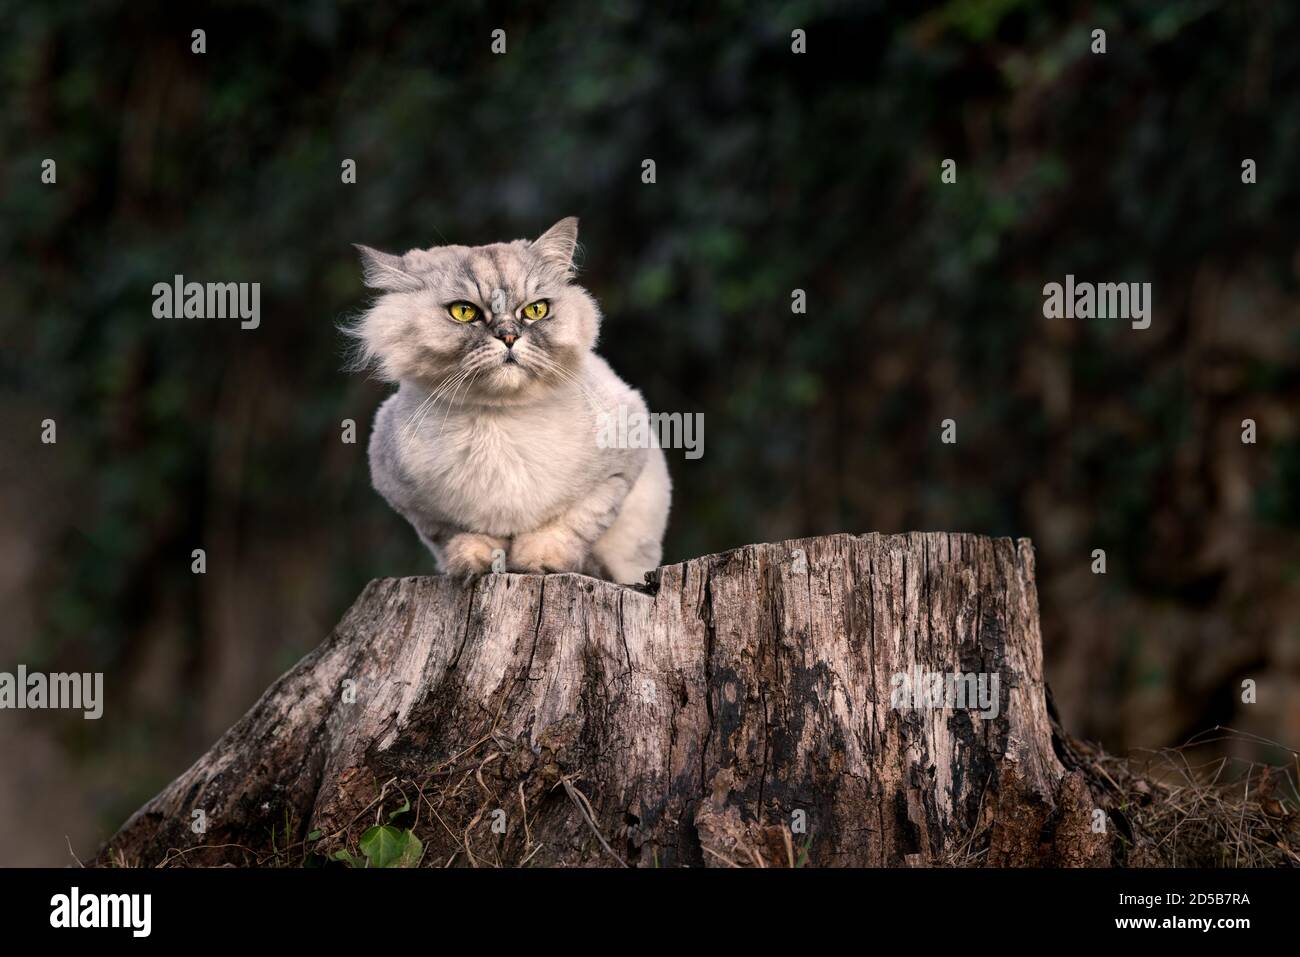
(463, 311)
(538, 309)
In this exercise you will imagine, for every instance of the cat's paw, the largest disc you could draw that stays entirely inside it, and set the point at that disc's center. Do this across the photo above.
(469, 554)
(548, 550)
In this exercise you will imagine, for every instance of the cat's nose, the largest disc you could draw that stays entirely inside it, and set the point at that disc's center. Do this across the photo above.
(507, 333)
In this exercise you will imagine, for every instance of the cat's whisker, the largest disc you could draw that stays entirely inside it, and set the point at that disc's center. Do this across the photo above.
(429, 398)
(466, 378)
(410, 427)
(559, 372)
(447, 414)
(452, 382)
(468, 382)
(417, 417)
(593, 403)
(418, 409)
(563, 374)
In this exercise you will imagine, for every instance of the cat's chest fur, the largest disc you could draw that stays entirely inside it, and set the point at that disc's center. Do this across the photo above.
(500, 470)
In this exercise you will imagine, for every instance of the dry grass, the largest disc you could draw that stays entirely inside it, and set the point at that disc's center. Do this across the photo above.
(1182, 807)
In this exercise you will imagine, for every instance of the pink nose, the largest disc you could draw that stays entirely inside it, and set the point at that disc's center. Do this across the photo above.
(509, 340)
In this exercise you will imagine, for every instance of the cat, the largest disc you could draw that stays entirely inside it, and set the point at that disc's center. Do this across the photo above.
(489, 445)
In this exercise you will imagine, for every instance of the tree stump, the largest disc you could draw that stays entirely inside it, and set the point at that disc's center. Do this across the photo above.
(741, 709)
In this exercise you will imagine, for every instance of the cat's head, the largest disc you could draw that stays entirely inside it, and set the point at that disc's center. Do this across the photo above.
(499, 321)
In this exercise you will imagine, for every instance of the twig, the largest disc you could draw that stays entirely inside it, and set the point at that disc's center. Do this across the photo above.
(585, 807)
(72, 852)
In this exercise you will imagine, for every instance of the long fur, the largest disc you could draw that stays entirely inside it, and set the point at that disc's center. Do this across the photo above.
(485, 446)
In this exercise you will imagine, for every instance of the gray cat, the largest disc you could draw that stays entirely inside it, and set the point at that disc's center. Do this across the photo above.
(491, 440)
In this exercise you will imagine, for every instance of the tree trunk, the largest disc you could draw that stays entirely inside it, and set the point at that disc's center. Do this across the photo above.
(742, 709)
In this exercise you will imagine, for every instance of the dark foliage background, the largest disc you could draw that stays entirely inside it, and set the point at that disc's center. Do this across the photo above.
(775, 172)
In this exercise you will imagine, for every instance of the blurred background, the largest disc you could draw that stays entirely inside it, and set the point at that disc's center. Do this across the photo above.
(775, 172)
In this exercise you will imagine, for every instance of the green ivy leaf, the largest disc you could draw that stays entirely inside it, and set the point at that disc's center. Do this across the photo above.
(414, 851)
(347, 857)
(386, 846)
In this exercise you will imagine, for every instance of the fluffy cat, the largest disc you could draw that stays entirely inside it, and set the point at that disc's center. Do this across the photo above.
(490, 441)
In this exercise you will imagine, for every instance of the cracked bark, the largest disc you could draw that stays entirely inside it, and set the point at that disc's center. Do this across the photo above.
(702, 719)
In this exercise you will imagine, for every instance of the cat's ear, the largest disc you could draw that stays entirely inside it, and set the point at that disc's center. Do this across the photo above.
(385, 271)
(559, 243)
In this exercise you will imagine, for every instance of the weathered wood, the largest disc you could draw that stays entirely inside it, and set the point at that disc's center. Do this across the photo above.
(698, 721)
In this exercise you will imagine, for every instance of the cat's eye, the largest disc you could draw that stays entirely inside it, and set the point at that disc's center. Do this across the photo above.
(463, 311)
(538, 309)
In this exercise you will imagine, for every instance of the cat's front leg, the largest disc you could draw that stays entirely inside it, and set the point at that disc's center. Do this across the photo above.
(562, 545)
(551, 548)
(459, 554)
(470, 553)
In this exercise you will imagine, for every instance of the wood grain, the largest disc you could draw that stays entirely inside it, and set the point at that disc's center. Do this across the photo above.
(736, 711)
